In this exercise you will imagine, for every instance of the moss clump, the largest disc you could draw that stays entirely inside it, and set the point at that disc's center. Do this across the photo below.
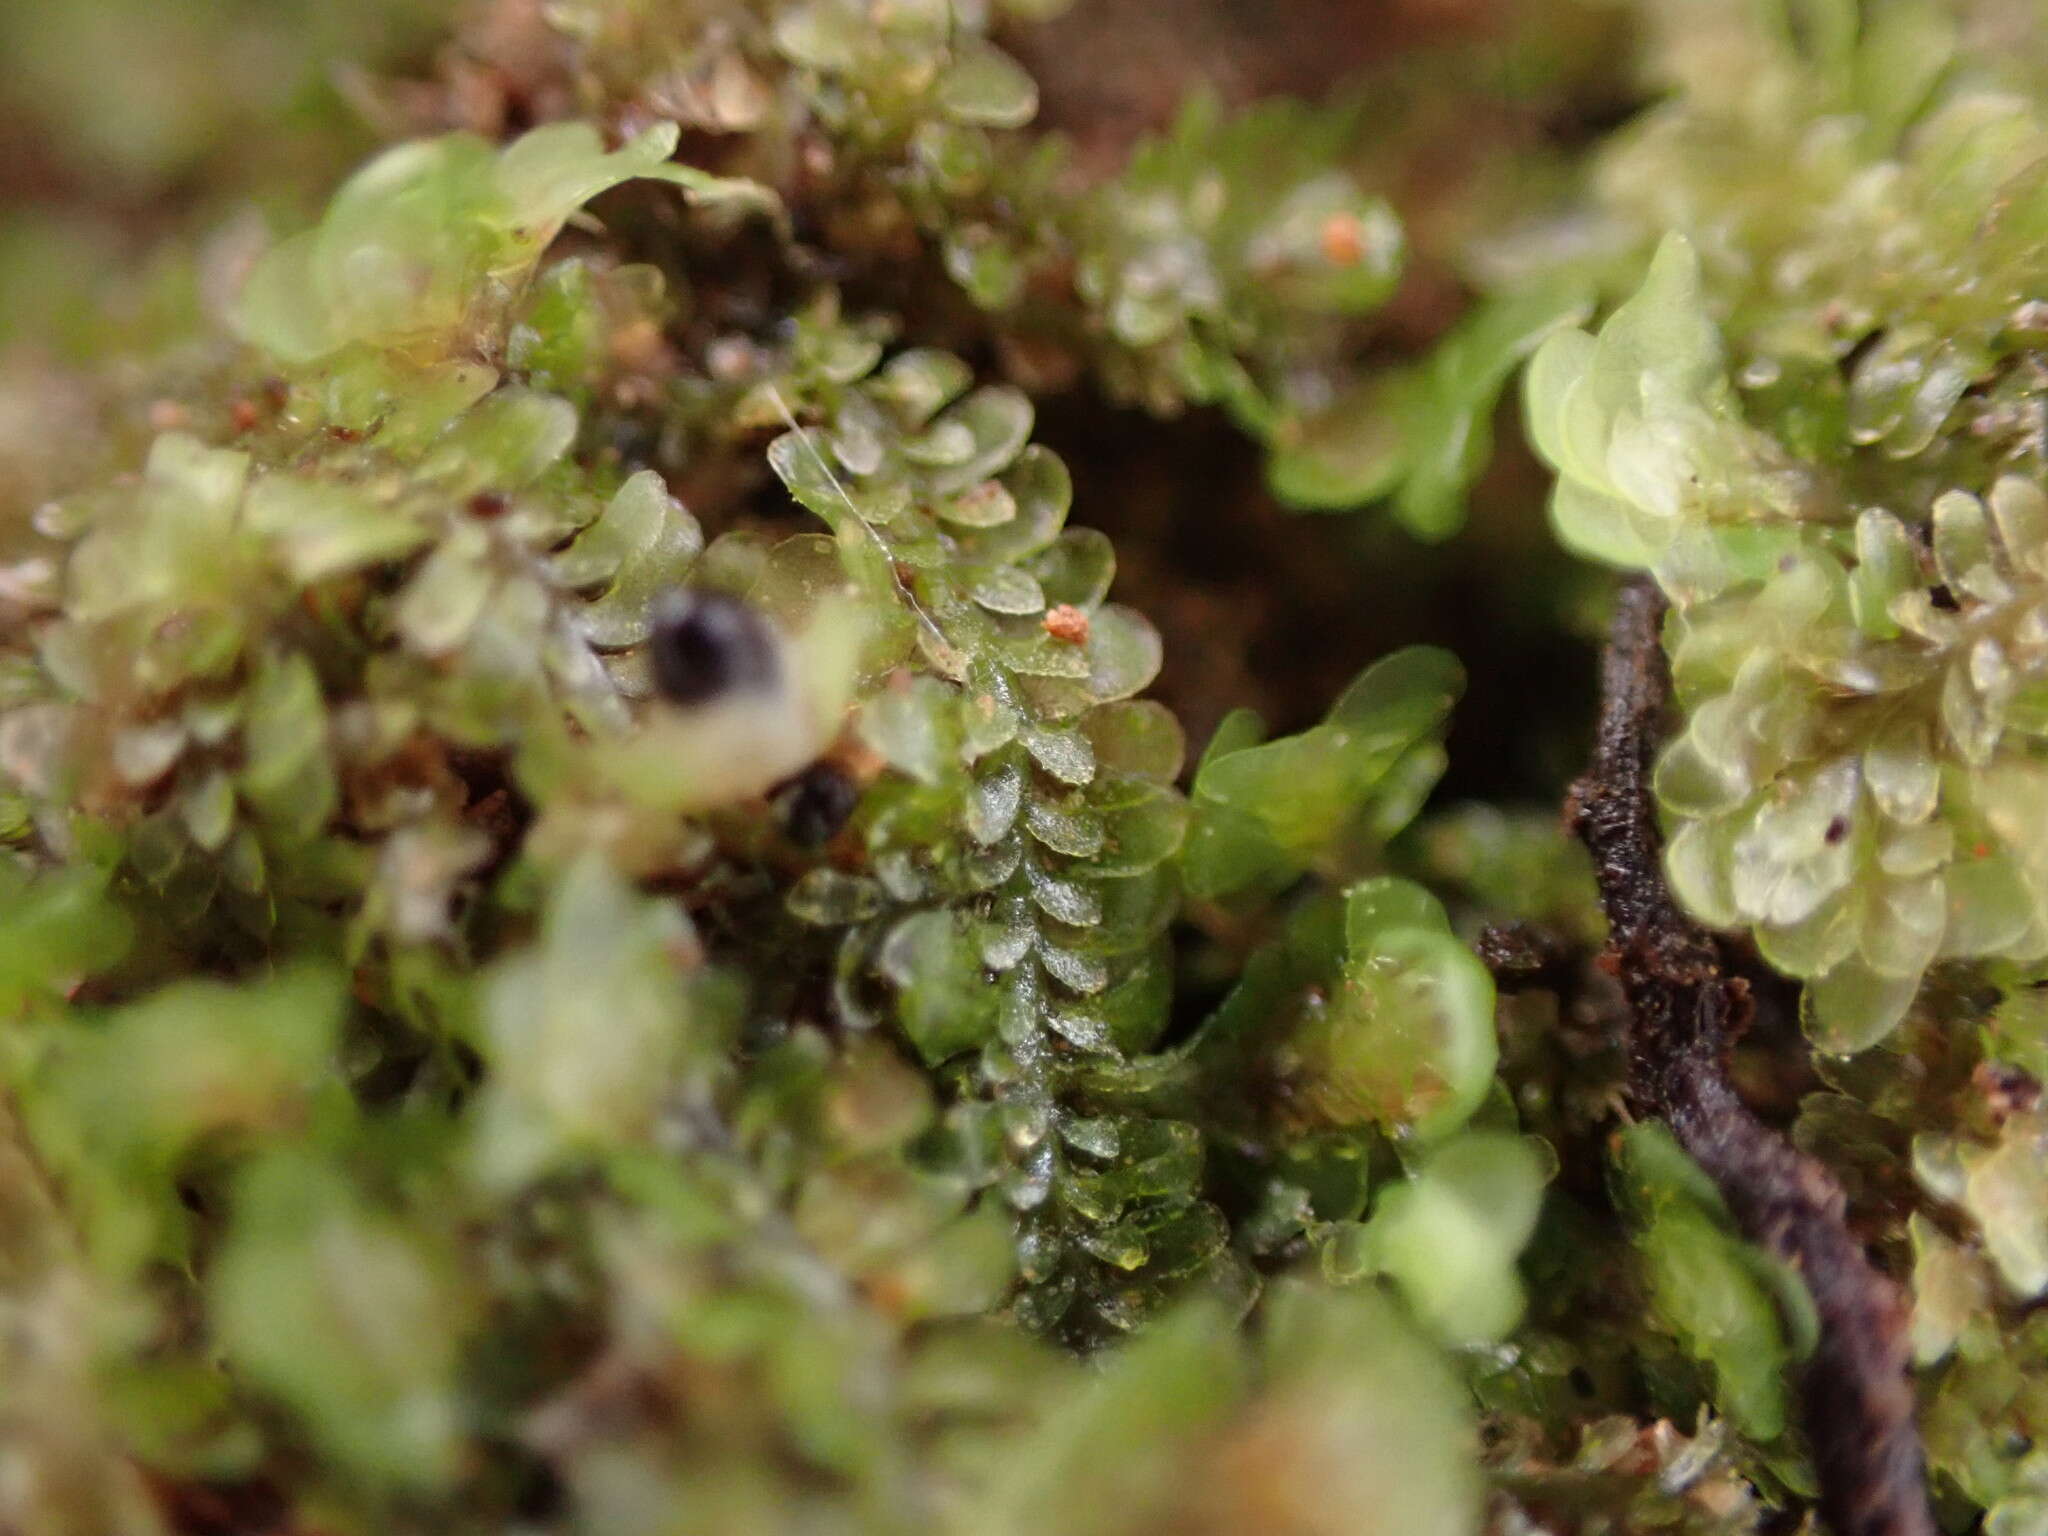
(1834, 484)
(607, 921)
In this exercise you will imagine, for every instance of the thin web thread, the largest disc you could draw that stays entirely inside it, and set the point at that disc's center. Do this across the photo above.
(942, 648)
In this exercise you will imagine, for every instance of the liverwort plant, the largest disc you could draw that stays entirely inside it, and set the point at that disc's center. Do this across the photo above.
(774, 924)
(1858, 777)
(439, 237)
(684, 849)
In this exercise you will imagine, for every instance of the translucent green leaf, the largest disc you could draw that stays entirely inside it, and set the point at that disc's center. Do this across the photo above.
(1144, 830)
(1268, 808)
(820, 35)
(921, 381)
(1077, 569)
(1729, 1304)
(1406, 1041)
(1124, 653)
(986, 505)
(1450, 1234)
(1068, 755)
(1116, 1446)
(503, 443)
(134, 1099)
(423, 236)
(914, 729)
(287, 777)
(1376, 906)
(321, 529)
(1950, 1290)
(346, 1314)
(1137, 739)
(588, 1032)
(1354, 452)
(1077, 833)
(549, 172)
(2005, 1193)
(1072, 902)
(1043, 492)
(446, 597)
(800, 464)
(993, 803)
(1386, 1425)
(944, 1004)
(831, 898)
(985, 86)
(1006, 589)
(997, 423)
(1852, 1007)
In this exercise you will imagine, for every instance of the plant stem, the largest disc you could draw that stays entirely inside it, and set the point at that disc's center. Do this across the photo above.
(1685, 1010)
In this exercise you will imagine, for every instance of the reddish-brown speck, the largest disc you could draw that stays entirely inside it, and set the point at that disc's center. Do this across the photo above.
(1343, 240)
(1068, 623)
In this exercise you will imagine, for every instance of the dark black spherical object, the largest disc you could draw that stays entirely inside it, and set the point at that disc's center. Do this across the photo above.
(706, 645)
(817, 802)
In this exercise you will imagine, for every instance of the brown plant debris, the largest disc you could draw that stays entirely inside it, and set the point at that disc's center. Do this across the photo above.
(1685, 1009)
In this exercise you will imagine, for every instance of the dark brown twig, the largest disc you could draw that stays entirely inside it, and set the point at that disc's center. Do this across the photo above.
(1685, 1010)
(1522, 956)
